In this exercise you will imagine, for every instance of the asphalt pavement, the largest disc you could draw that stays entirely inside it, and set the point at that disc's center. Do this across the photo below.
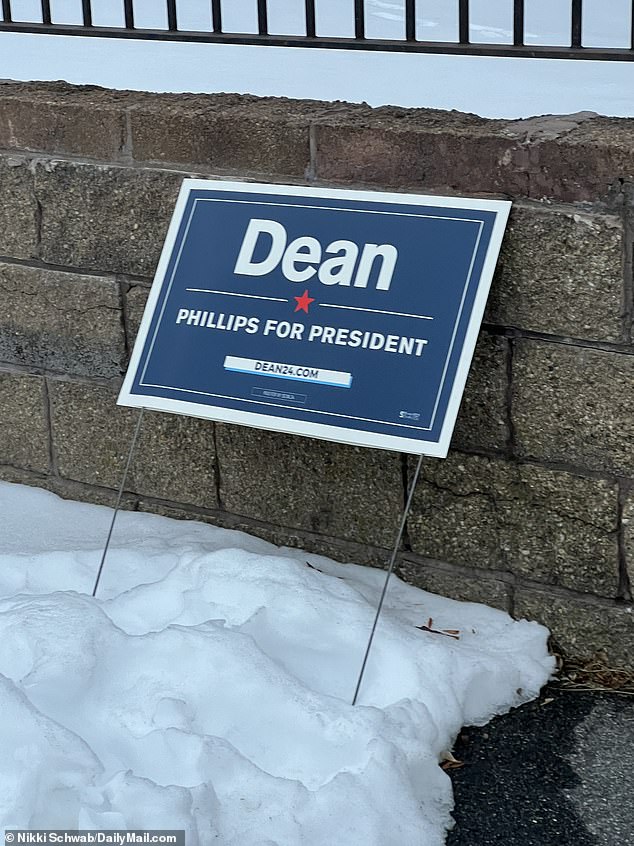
(556, 772)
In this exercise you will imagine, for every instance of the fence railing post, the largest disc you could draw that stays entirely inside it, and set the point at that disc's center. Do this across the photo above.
(311, 25)
(464, 35)
(172, 16)
(518, 23)
(577, 26)
(263, 18)
(86, 10)
(410, 20)
(359, 19)
(128, 11)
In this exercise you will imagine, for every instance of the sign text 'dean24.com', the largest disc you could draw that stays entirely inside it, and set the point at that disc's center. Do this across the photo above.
(345, 315)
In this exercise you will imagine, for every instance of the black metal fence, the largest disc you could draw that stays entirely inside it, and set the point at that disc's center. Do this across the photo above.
(409, 43)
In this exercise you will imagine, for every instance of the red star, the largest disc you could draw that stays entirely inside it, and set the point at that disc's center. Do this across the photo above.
(303, 302)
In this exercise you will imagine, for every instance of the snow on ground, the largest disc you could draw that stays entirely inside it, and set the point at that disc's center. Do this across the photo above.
(208, 687)
(491, 87)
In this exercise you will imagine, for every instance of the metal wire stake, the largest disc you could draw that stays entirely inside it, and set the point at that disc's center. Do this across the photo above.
(397, 544)
(118, 503)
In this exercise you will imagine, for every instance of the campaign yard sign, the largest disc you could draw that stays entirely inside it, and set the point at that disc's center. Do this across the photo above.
(345, 315)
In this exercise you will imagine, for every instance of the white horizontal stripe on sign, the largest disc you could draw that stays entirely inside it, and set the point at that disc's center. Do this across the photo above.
(377, 311)
(280, 370)
(233, 294)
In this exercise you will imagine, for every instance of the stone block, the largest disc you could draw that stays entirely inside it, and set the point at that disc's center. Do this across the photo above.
(87, 493)
(417, 148)
(61, 321)
(224, 132)
(560, 272)
(628, 528)
(8, 473)
(547, 526)
(62, 119)
(284, 536)
(580, 628)
(18, 209)
(109, 219)
(177, 460)
(436, 578)
(24, 437)
(135, 300)
(331, 489)
(174, 459)
(66, 489)
(91, 434)
(572, 158)
(338, 550)
(574, 404)
(585, 163)
(453, 516)
(483, 419)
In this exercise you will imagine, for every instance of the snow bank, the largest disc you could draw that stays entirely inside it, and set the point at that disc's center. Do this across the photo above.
(208, 687)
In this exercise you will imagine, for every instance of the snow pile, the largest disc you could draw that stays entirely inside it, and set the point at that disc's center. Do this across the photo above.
(208, 688)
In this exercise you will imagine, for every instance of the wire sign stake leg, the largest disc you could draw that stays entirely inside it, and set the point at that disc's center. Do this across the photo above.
(135, 437)
(397, 544)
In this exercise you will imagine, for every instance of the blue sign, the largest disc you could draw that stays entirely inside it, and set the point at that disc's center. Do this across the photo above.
(345, 315)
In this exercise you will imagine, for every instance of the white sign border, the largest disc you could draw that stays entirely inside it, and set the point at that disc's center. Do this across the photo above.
(322, 431)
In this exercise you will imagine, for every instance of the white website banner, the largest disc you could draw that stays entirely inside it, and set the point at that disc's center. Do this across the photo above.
(280, 370)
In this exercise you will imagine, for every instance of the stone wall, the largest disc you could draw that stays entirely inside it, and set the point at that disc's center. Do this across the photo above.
(534, 509)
